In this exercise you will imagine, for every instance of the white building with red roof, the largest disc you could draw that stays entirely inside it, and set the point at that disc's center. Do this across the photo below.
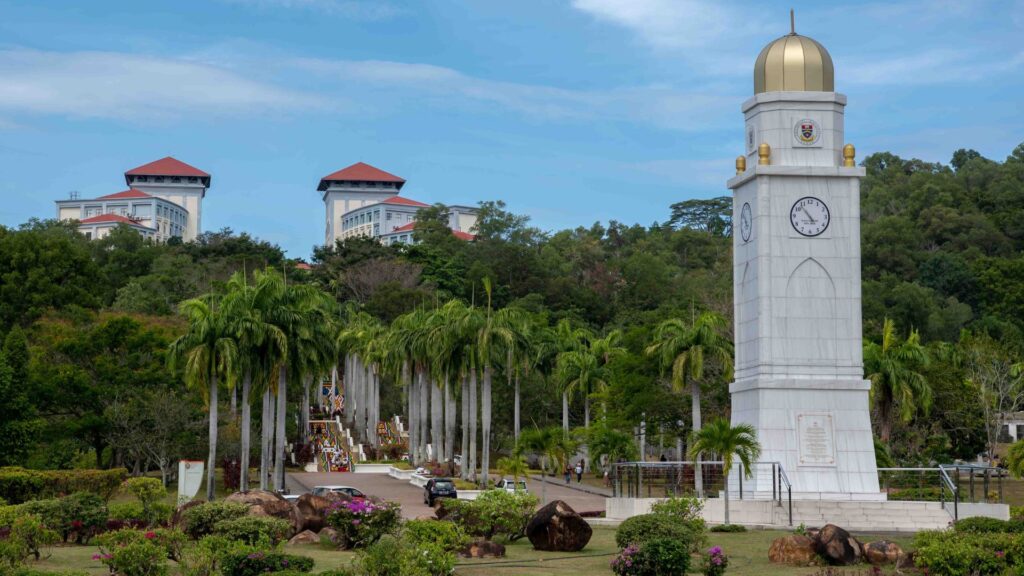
(362, 200)
(164, 201)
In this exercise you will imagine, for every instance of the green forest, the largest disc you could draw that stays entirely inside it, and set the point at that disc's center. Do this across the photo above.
(91, 371)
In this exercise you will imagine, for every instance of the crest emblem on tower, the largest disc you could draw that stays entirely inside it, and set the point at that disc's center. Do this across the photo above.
(807, 132)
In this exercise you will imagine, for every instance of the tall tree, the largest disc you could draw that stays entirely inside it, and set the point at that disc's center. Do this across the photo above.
(896, 385)
(207, 352)
(728, 442)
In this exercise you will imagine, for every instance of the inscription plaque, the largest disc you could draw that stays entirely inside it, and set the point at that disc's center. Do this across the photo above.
(816, 439)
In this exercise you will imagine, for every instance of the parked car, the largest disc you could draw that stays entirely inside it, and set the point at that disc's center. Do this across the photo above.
(511, 485)
(353, 493)
(438, 488)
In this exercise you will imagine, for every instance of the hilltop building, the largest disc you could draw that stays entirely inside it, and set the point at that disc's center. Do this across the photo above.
(362, 200)
(164, 201)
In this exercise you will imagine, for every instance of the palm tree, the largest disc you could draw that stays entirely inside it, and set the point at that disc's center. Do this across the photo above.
(514, 465)
(580, 371)
(208, 352)
(260, 345)
(896, 385)
(603, 440)
(686, 350)
(554, 447)
(555, 342)
(727, 441)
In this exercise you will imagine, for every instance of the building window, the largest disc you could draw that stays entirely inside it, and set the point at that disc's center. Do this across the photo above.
(387, 215)
(88, 235)
(158, 179)
(175, 179)
(193, 179)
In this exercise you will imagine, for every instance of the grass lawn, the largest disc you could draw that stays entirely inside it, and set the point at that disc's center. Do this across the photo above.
(748, 554)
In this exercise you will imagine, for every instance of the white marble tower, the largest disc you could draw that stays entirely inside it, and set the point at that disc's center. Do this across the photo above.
(796, 280)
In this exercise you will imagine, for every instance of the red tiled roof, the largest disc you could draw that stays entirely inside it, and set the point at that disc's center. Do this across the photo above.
(404, 202)
(166, 167)
(362, 172)
(303, 266)
(130, 193)
(115, 218)
(463, 235)
(405, 227)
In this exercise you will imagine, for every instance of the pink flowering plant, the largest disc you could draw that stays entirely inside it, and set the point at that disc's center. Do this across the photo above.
(360, 523)
(715, 562)
(627, 563)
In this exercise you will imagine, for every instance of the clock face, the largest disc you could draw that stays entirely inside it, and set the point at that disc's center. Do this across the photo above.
(746, 222)
(809, 216)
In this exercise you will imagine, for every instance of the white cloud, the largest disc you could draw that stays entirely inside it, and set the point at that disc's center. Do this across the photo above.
(938, 66)
(355, 10)
(665, 23)
(132, 87)
(658, 105)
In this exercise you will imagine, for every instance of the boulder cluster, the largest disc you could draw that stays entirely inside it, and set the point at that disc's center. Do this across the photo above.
(834, 546)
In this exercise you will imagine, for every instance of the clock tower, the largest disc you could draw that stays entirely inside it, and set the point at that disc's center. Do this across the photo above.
(799, 377)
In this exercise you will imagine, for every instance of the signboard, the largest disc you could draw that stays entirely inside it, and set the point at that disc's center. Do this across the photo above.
(190, 478)
(816, 439)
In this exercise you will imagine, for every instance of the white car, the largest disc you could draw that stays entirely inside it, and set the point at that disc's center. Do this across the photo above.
(353, 493)
(511, 486)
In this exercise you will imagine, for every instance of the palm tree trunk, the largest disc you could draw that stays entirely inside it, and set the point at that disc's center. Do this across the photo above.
(449, 421)
(586, 411)
(727, 500)
(472, 425)
(436, 415)
(698, 476)
(464, 467)
(243, 481)
(267, 438)
(515, 417)
(425, 416)
(565, 411)
(234, 402)
(304, 417)
(282, 411)
(411, 401)
(346, 390)
(211, 462)
(485, 455)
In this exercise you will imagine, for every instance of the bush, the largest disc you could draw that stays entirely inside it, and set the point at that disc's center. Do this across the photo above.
(19, 485)
(28, 537)
(729, 528)
(686, 509)
(917, 494)
(715, 562)
(259, 563)
(949, 553)
(82, 515)
(26, 571)
(138, 558)
(125, 511)
(360, 523)
(170, 541)
(446, 535)
(199, 521)
(254, 529)
(982, 525)
(641, 529)
(494, 512)
(149, 492)
(205, 556)
(655, 557)
(392, 557)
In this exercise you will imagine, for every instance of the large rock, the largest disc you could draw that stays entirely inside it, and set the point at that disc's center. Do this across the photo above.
(304, 538)
(882, 552)
(556, 527)
(264, 503)
(483, 549)
(312, 511)
(837, 546)
(331, 535)
(795, 550)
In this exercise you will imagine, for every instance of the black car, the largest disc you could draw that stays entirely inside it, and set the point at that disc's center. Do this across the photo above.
(438, 488)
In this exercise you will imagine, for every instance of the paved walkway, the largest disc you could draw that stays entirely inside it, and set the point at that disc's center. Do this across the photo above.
(411, 498)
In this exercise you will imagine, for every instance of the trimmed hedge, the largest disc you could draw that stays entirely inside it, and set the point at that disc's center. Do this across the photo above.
(19, 485)
(200, 520)
(259, 563)
(638, 530)
(254, 529)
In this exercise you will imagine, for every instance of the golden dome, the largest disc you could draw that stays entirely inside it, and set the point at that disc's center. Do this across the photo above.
(794, 63)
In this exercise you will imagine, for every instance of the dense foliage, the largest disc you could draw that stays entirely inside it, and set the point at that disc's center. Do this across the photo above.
(86, 325)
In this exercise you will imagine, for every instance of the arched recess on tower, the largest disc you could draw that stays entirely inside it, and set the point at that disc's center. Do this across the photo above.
(808, 322)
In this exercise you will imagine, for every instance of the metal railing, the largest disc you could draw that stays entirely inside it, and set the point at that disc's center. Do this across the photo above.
(954, 491)
(703, 479)
(949, 484)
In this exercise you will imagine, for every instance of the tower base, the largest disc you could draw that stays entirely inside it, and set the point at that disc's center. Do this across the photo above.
(819, 430)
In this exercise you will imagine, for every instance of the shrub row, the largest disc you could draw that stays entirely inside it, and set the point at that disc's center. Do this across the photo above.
(955, 553)
(19, 485)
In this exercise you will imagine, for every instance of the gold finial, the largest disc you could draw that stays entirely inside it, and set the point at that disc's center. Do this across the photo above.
(849, 152)
(792, 23)
(764, 154)
(741, 164)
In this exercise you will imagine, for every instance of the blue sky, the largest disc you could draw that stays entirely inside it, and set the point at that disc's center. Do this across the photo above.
(572, 111)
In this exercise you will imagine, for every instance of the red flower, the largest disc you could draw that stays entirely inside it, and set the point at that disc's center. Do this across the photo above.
(150, 535)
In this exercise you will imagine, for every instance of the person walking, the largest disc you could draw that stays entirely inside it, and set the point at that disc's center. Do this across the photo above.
(579, 471)
(568, 474)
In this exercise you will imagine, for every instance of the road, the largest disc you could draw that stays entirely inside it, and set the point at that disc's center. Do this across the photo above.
(411, 498)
